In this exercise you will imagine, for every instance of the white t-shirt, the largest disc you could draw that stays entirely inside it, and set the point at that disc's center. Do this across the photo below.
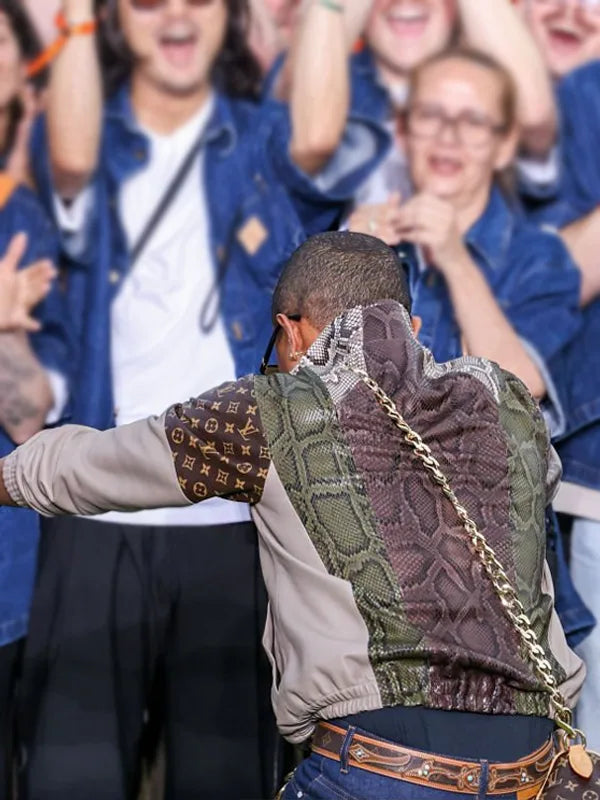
(159, 353)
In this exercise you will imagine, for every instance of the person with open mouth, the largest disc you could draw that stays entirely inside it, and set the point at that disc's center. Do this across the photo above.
(483, 282)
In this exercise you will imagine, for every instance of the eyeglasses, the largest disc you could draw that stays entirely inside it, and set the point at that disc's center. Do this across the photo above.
(151, 5)
(427, 121)
(589, 6)
(265, 367)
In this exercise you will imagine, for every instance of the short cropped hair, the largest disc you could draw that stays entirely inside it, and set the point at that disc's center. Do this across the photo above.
(333, 272)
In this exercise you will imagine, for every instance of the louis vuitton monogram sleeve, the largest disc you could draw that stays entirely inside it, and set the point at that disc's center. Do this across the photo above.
(218, 445)
(210, 446)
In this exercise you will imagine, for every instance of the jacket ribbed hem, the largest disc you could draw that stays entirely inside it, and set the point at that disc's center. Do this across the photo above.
(9, 476)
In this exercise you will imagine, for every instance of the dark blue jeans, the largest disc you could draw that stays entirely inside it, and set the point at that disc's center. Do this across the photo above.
(320, 778)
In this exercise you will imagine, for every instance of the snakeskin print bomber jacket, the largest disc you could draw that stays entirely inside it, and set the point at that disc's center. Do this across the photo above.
(375, 596)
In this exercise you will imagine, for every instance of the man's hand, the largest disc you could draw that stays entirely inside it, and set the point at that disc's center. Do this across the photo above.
(22, 290)
(382, 220)
(430, 222)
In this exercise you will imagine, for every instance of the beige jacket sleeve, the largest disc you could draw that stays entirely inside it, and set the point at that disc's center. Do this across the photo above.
(210, 446)
(77, 470)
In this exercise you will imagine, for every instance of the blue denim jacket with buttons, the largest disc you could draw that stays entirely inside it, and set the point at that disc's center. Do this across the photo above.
(19, 528)
(577, 193)
(248, 175)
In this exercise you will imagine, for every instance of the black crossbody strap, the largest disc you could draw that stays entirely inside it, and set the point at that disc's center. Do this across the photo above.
(167, 199)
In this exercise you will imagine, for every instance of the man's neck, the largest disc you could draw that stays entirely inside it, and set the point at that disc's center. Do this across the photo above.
(161, 111)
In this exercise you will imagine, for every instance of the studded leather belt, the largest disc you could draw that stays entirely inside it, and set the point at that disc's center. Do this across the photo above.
(452, 775)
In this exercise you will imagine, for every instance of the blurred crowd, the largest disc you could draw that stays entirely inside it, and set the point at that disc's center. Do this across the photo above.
(161, 159)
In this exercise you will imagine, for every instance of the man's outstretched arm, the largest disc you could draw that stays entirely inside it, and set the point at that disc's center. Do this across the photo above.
(211, 446)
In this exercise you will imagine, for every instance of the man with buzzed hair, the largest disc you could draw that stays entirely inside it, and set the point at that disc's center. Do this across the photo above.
(387, 640)
(337, 258)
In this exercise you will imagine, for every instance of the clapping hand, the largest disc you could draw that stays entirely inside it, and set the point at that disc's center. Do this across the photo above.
(21, 290)
(431, 222)
(382, 220)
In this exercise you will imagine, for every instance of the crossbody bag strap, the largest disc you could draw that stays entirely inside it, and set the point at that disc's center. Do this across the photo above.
(167, 199)
(503, 587)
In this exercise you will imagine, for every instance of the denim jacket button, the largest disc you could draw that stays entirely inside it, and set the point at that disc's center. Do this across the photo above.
(114, 276)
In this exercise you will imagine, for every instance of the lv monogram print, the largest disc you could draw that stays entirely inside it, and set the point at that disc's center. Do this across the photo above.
(563, 783)
(218, 446)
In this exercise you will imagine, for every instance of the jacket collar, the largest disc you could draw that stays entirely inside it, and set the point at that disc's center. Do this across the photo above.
(379, 340)
(343, 342)
(221, 131)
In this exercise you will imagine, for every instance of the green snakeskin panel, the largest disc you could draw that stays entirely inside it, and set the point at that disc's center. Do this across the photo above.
(309, 451)
(527, 439)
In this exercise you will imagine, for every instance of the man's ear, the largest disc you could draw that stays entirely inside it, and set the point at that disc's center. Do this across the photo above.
(292, 332)
(417, 322)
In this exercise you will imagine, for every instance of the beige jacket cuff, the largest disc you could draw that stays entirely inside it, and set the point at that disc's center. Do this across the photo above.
(9, 476)
(77, 470)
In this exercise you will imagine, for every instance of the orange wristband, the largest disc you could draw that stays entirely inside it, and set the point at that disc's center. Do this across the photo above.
(66, 31)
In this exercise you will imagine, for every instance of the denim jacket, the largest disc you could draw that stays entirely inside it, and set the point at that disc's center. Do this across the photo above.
(19, 528)
(579, 367)
(249, 177)
(532, 278)
(576, 190)
(577, 193)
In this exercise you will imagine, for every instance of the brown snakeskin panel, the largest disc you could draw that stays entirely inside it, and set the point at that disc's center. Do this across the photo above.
(427, 769)
(471, 648)
(563, 783)
(218, 445)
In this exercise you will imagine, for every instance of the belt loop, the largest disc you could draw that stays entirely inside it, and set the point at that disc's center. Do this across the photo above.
(344, 752)
(484, 776)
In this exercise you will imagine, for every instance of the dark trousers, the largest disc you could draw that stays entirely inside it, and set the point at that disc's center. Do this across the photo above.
(139, 632)
(10, 660)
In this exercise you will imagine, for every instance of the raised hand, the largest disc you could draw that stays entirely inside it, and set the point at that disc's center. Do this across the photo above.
(430, 222)
(382, 220)
(21, 290)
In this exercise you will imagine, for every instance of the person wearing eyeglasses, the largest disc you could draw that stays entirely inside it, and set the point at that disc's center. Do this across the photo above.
(484, 283)
(178, 198)
(399, 35)
(392, 655)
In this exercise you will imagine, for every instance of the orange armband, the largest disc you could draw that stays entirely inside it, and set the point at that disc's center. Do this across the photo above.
(65, 32)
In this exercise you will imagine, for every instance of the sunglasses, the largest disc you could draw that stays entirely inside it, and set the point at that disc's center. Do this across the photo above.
(152, 5)
(265, 367)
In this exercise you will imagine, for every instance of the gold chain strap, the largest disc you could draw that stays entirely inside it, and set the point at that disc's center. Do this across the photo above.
(508, 596)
